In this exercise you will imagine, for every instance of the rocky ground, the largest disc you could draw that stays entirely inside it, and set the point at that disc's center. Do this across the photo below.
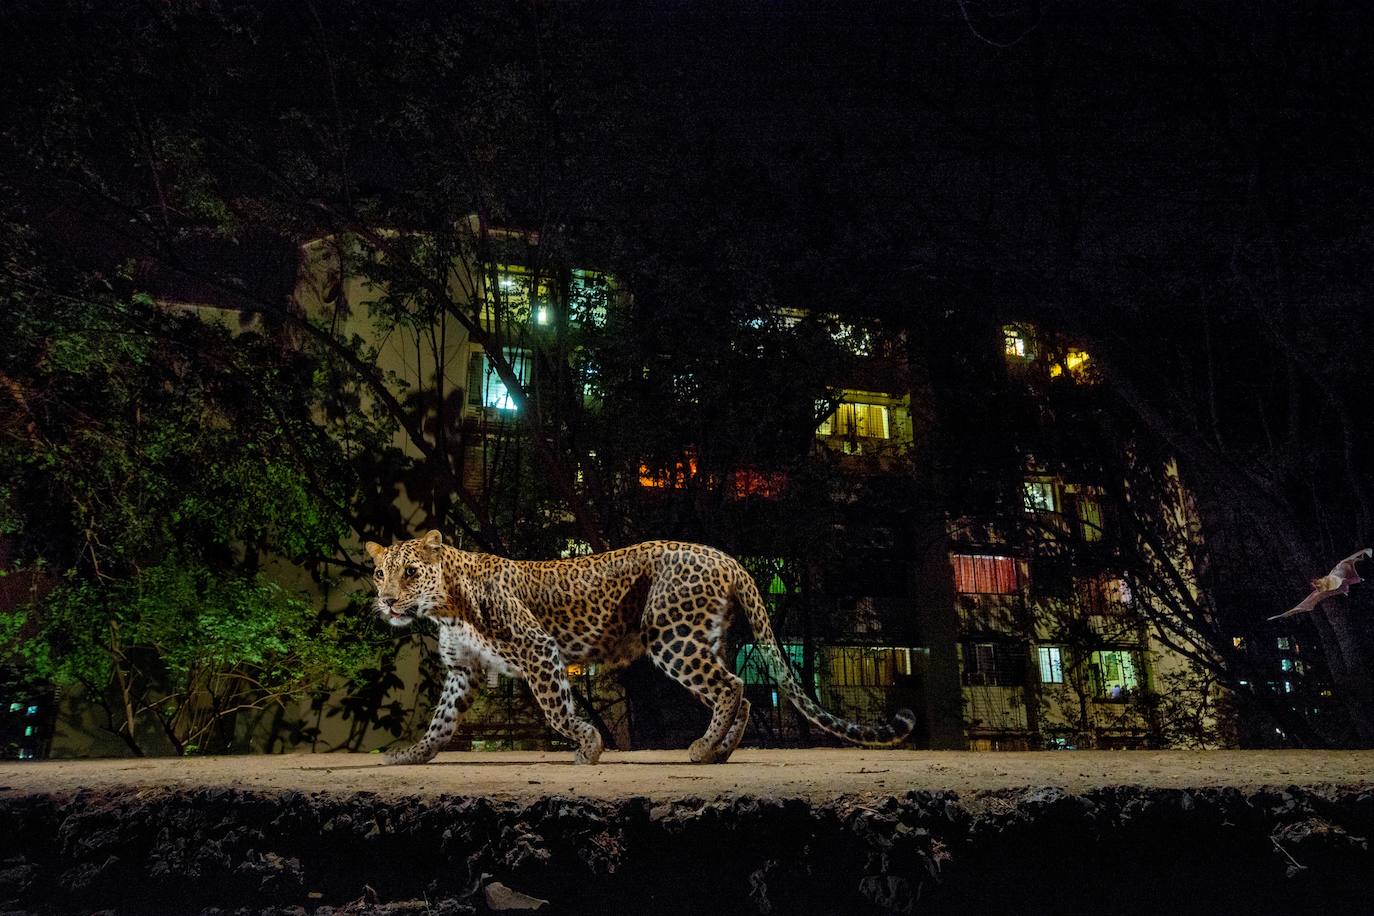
(822, 831)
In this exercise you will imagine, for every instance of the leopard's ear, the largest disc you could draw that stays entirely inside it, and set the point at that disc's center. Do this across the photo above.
(375, 551)
(430, 544)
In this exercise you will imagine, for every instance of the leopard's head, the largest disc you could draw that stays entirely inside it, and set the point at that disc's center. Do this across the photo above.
(409, 578)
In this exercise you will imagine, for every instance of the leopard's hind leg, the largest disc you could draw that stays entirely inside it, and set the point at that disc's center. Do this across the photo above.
(684, 628)
(736, 732)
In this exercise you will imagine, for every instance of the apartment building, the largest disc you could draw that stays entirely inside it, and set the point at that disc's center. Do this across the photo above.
(1012, 631)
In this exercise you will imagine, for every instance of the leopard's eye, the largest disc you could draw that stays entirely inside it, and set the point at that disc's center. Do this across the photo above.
(379, 573)
(410, 572)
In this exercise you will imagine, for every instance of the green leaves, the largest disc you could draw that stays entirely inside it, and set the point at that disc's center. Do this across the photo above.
(151, 460)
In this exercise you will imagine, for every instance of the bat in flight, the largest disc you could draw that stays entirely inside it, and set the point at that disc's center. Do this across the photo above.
(1336, 582)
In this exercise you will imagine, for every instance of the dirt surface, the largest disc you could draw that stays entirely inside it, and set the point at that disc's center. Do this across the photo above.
(817, 774)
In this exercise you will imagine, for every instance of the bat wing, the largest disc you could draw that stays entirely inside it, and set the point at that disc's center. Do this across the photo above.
(1359, 555)
(1345, 571)
(1337, 582)
(1306, 604)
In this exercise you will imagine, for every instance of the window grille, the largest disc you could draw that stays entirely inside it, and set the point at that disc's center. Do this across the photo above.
(994, 664)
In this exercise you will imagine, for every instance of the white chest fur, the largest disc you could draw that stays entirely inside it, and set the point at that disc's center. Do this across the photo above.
(460, 644)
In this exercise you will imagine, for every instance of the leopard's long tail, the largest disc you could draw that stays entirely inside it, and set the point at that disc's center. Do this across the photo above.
(894, 732)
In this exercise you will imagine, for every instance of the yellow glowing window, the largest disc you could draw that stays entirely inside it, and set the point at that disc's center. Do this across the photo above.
(864, 666)
(1090, 516)
(1114, 674)
(517, 296)
(865, 421)
(576, 671)
(1076, 361)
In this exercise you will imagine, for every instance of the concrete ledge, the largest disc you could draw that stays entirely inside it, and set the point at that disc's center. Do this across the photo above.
(129, 846)
(817, 774)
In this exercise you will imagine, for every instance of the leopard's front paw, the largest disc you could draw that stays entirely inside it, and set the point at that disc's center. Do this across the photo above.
(589, 751)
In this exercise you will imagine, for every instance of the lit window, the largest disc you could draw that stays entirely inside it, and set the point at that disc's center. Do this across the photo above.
(767, 573)
(1287, 686)
(1119, 590)
(1051, 665)
(776, 586)
(32, 711)
(863, 421)
(1075, 361)
(1285, 664)
(1114, 674)
(1014, 342)
(589, 295)
(752, 665)
(677, 477)
(485, 387)
(1089, 517)
(864, 666)
(576, 671)
(575, 548)
(518, 297)
(1284, 643)
(1104, 595)
(510, 299)
(15, 707)
(763, 484)
(1040, 496)
(1238, 642)
(28, 731)
(981, 574)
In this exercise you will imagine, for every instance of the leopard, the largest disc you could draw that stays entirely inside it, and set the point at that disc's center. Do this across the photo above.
(671, 601)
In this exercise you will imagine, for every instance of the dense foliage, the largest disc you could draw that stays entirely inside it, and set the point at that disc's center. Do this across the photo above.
(150, 461)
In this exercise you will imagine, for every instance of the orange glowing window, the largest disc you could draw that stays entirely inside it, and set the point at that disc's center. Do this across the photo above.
(675, 478)
(763, 484)
(976, 574)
